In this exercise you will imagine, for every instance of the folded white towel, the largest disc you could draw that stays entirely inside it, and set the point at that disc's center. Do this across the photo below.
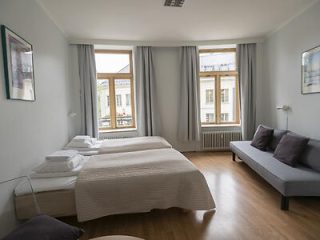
(74, 172)
(75, 144)
(62, 155)
(81, 137)
(56, 166)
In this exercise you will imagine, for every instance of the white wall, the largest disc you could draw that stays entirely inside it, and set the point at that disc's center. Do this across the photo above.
(167, 73)
(282, 75)
(30, 130)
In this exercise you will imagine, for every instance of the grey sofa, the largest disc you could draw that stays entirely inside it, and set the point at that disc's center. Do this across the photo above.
(303, 180)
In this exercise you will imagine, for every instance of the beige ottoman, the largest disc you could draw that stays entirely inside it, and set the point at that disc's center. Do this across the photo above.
(116, 237)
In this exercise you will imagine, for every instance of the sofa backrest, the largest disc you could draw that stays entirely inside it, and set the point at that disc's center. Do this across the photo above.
(311, 155)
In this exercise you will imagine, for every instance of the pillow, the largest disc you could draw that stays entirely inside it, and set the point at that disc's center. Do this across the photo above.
(311, 155)
(262, 137)
(277, 135)
(44, 227)
(290, 148)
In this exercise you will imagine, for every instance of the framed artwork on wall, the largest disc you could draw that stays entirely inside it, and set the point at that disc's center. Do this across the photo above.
(18, 66)
(311, 71)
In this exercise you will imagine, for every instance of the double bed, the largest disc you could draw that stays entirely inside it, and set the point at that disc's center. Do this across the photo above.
(117, 183)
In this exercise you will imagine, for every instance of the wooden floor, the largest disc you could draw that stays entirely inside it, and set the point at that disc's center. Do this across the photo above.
(247, 208)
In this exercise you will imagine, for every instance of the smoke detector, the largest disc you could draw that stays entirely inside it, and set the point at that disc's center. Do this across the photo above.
(173, 3)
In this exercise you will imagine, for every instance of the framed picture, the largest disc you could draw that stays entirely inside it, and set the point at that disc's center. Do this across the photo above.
(311, 71)
(18, 66)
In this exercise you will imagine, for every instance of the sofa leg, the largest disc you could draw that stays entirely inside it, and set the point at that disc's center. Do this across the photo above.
(284, 203)
(233, 156)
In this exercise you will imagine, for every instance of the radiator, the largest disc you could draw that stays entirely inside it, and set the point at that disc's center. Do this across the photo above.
(103, 137)
(219, 140)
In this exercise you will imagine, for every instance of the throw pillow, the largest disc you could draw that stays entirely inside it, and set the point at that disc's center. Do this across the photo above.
(290, 148)
(44, 227)
(262, 137)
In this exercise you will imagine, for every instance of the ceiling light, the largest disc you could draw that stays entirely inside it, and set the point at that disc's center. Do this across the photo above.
(173, 3)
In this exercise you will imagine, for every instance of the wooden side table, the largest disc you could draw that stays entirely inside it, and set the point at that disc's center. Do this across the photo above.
(117, 237)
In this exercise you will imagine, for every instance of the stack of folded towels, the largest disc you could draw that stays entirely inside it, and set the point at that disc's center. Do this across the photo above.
(62, 163)
(82, 142)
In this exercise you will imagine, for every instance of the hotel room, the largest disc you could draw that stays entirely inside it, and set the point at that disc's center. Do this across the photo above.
(163, 119)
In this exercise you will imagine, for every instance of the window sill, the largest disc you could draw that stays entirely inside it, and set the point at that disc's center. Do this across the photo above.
(118, 130)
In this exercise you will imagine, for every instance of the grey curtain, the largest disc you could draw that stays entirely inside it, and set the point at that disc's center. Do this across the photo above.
(87, 74)
(148, 122)
(189, 115)
(246, 62)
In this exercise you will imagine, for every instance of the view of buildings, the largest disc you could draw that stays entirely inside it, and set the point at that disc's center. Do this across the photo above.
(218, 62)
(209, 62)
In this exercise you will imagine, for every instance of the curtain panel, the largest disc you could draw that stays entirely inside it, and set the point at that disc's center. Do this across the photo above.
(88, 88)
(148, 119)
(246, 62)
(189, 115)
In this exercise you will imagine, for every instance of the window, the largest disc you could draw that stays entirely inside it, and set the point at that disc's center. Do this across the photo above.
(224, 117)
(209, 96)
(225, 95)
(118, 100)
(128, 100)
(219, 92)
(114, 84)
(209, 117)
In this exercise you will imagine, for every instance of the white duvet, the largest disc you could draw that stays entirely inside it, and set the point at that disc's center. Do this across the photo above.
(139, 182)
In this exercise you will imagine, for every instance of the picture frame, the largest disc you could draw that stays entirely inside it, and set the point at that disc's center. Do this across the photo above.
(310, 82)
(18, 66)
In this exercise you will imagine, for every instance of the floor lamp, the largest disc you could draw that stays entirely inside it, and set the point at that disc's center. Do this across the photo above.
(286, 109)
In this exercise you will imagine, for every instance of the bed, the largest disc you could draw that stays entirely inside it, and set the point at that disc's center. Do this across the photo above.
(129, 182)
(124, 145)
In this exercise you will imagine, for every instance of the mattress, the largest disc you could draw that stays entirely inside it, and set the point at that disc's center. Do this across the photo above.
(59, 203)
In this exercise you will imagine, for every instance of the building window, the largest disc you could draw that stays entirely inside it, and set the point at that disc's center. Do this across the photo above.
(209, 96)
(118, 100)
(128, 102)
(219, 91)
(225, 95)
(114, 83)
(224, 117)
(209, 117)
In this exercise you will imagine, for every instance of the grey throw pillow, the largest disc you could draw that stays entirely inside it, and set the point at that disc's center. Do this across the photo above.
(262, 137)
(277, 135)
(44, 227)
(290, 148)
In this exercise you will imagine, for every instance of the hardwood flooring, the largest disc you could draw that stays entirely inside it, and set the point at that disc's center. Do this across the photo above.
(247, 208)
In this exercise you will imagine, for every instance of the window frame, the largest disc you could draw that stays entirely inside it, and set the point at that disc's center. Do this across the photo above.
(217, 75)
(112, 77)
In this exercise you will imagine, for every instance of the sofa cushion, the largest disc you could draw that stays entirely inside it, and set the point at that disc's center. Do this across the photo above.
(311, 155)
(290, 148)
(277, 135)
(262, 137)
(299, 181)
(44, 227)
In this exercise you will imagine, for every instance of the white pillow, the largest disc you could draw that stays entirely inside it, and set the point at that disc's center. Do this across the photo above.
(62, 166)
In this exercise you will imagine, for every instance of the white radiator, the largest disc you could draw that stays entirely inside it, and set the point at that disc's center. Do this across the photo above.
(219, 140)
(103, 137)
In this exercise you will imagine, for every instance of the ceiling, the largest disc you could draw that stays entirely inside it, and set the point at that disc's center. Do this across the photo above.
(149, 20)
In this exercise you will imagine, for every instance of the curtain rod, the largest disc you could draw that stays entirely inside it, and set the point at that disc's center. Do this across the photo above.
(164, 43)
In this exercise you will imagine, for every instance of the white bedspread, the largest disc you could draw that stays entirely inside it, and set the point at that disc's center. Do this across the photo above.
(139, 182)
(133, 144)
